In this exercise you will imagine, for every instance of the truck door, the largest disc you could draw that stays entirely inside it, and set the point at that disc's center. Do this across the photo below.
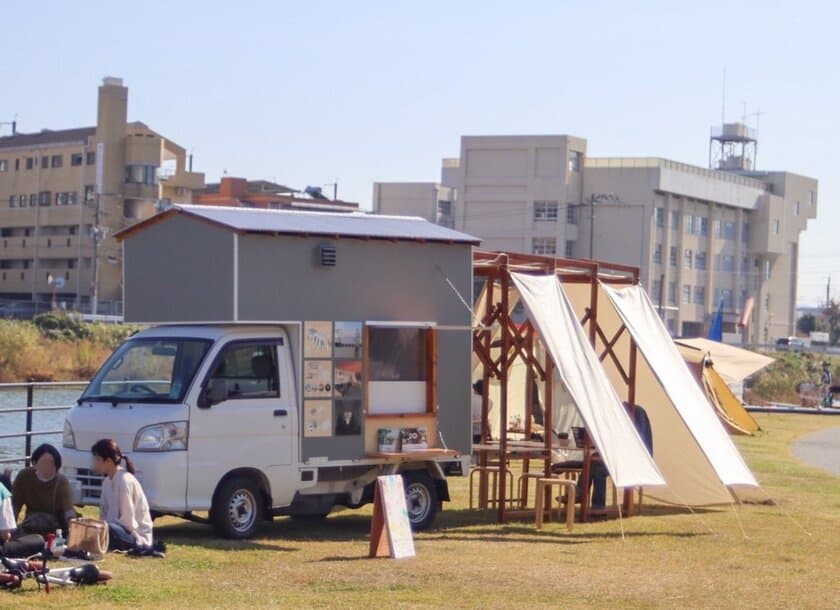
(252, 428)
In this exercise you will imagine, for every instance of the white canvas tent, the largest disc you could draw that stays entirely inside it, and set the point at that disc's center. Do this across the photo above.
(691, 447)
(608, 424)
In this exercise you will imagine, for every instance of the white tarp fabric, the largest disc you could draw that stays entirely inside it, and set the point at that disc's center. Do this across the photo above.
(667, 365)
(607, 422)
(731, 362)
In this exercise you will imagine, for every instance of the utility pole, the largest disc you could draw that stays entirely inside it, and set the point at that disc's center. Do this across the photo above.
(96, 234)
(828, 292)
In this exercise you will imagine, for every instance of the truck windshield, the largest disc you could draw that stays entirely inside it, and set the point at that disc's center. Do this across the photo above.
(148, 370)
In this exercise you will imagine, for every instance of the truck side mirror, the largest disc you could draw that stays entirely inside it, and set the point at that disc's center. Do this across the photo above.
(213, 394)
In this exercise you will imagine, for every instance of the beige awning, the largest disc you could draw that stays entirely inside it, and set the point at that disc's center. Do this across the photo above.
(732, 363)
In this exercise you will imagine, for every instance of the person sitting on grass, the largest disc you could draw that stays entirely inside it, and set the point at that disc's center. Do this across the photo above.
(123, 504)
(44, 492)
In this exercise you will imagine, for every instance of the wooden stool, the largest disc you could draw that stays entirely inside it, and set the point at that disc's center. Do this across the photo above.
(523, 500)
(494, 470)
(546, 483)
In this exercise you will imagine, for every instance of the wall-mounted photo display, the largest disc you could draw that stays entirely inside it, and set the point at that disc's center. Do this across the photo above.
(348, 340)
(317, 418)
(317, 379)
(347, 379)
(348, 417)
(317, 339)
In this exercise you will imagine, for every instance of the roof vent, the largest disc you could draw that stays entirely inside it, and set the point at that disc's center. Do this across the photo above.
(329, 257)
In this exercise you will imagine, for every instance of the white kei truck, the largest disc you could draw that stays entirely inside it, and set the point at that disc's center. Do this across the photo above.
(229, 409)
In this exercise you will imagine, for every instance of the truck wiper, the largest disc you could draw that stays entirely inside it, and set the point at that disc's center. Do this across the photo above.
(114, 400)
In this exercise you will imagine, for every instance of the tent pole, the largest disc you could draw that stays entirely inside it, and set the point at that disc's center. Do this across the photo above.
(503, 399)
(548, 419)
(631, 408)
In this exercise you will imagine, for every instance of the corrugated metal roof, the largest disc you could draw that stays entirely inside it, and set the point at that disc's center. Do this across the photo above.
(350, 224)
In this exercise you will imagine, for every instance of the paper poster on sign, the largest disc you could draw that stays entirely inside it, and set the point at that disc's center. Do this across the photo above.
(317, 339)
(317, 379)
(317, 418)
(390, 529)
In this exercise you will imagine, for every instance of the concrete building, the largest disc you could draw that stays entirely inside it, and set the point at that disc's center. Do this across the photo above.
(64, 193)
(242, 193)
(700, 236)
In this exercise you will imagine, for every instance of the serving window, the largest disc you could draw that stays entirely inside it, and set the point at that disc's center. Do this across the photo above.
(400, 361)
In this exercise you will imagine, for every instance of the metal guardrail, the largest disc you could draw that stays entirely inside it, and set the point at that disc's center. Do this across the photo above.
(30, 409)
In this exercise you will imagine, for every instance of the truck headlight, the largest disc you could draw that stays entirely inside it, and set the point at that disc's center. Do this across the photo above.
(171, 436)
(68, 441)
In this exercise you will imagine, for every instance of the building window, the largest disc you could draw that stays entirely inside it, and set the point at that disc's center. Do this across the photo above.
(672, 293)
(777, 226)
(545, 211)
(659, 216)
(4, 165)
(12, 201)
(17, 164)
(745, 232)
(575, 160)
(699, 295)
(673, 255)
(811, 199)
(570, 249)
(717, 228)
(33, 199)
(767, 269)
(727, 262)
(141, 174)
(45, 162)
(745, 264)
(725, 299)
(700, 260)
(657, 254)
(72, 198)
(571, 213)
(76, 159)
(796, 208)
(89, 193)
(702, 225)
(57, 160)
(44, 197)
(30, 162)
(444, 208)
(688, 223)
(544, 245)
(728, 229)
(90, 158)
(688, 258)
(686, 294)
(675, 219)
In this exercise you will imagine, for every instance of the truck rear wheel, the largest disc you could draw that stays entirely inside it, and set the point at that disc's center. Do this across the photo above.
(421, 498)
(237, 509)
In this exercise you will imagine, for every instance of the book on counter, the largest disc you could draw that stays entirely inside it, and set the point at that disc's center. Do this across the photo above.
(388, 440)
(414, 439)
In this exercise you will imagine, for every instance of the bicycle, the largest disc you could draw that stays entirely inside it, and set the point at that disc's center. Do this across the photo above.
(16, 571)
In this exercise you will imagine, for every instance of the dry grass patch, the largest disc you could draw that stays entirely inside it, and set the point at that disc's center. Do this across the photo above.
(669, 558)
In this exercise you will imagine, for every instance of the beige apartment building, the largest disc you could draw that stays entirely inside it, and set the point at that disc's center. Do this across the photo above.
(64, 193)
(701, 237)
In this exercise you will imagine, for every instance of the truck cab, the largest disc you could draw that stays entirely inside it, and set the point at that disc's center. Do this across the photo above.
(211, 416)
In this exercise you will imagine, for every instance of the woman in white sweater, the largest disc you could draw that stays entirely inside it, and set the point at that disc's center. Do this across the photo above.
(122, 504)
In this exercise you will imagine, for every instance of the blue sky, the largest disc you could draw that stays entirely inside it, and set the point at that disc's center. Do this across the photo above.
(308, 92)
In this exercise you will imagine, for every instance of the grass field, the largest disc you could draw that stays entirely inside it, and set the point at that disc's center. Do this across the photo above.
(669, 558)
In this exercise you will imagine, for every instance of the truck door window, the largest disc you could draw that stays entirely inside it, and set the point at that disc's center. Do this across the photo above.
(249, 370)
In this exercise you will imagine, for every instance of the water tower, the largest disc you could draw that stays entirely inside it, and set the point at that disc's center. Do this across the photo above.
(733, 147)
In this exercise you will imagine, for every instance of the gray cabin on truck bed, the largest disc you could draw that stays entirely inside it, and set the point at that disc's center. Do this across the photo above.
(383, 340)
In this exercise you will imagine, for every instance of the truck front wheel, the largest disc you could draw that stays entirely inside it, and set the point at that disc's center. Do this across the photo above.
(421, 498)
(237, 509)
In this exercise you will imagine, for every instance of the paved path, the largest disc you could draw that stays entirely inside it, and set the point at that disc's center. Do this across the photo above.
(820, 449)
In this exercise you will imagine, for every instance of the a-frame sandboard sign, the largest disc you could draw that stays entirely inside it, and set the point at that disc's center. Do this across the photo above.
(390, 530)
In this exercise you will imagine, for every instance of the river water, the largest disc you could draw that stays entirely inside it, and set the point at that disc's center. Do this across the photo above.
(13, 423)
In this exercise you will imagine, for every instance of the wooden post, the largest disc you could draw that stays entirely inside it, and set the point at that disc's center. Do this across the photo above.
(503, 398)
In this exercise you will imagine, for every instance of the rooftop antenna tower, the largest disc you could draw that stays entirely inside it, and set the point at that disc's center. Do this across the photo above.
(732, 146)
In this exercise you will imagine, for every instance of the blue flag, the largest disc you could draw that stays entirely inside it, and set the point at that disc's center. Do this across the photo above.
(716, 329)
